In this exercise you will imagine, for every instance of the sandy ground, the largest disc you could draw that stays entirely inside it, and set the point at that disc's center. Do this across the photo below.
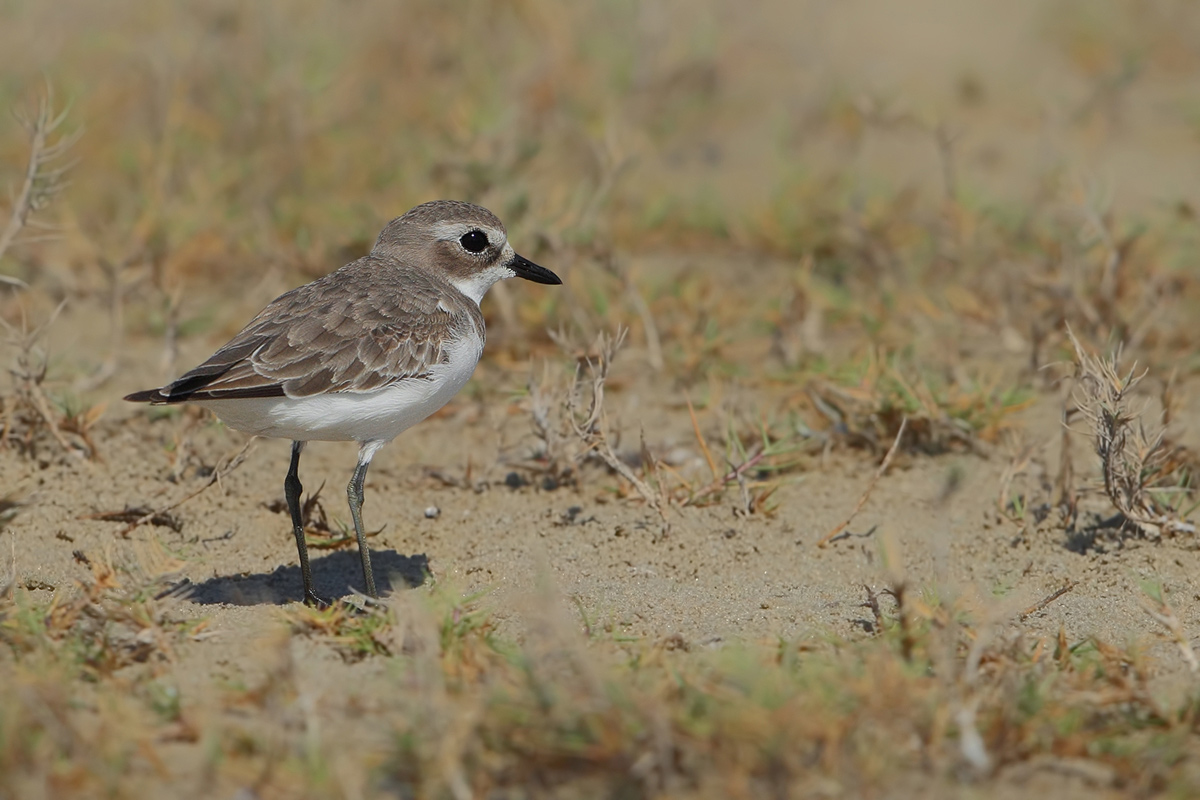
(715, 578)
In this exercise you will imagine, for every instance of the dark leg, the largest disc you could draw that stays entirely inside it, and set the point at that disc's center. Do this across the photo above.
(291, 491)
(354, 493)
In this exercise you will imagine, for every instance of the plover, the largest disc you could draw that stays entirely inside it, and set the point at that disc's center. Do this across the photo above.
(363, 353)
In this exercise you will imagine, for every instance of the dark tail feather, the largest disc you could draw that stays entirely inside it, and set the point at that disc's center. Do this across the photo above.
(168, 395)
(147, 396)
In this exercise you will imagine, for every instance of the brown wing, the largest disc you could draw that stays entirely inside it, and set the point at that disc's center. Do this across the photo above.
(346, 333)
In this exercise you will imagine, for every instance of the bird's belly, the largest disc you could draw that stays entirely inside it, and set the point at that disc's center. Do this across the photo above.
(381, 415)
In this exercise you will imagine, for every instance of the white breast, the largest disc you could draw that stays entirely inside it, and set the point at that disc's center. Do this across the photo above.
(377, 416)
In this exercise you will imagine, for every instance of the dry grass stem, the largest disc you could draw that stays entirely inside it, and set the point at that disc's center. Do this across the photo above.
(31, 410)
(1017, 466)
(1065, 495)
(862, 501)
(1156, 606)
(737, 473)
(1100, 228)
(558, 455)
(221, 471)
(700, 440)
(654, 354)
(45, 172)
(591, 426)
(113, 272)
(1047, 600)
(1132, 460)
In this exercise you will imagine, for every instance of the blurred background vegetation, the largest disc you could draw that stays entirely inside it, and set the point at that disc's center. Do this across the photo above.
(838, 189)
(222, 135)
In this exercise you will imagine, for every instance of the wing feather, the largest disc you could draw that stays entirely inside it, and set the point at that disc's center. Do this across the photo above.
(339, 333)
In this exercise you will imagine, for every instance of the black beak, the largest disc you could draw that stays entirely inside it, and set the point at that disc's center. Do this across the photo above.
(524, 268)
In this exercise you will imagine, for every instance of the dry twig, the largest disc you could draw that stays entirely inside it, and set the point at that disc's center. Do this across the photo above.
(654, 354)
(559, 456)
(45, 173)
(44, 177)
(1133, 461)
(1161, 612)
(1047, 600)
(591, 426)
(220, 472)
(737, 473)
(862, 501)
(1017, 466)
(31, 408)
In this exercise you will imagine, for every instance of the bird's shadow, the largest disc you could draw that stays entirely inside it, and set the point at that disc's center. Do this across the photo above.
(335, 575)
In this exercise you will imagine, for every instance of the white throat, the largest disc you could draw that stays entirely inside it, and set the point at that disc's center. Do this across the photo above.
(476, 286)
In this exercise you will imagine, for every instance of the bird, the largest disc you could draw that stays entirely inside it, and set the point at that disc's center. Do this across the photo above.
(363, 353)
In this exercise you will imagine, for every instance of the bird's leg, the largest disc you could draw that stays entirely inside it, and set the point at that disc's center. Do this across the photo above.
(354, 493)
(291, 490)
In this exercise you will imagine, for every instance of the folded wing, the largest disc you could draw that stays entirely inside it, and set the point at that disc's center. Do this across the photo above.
(331, 336)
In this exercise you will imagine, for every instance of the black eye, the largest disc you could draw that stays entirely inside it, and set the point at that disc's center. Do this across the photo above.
(474, 241)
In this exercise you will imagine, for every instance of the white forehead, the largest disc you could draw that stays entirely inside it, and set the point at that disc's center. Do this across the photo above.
(453, 231)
